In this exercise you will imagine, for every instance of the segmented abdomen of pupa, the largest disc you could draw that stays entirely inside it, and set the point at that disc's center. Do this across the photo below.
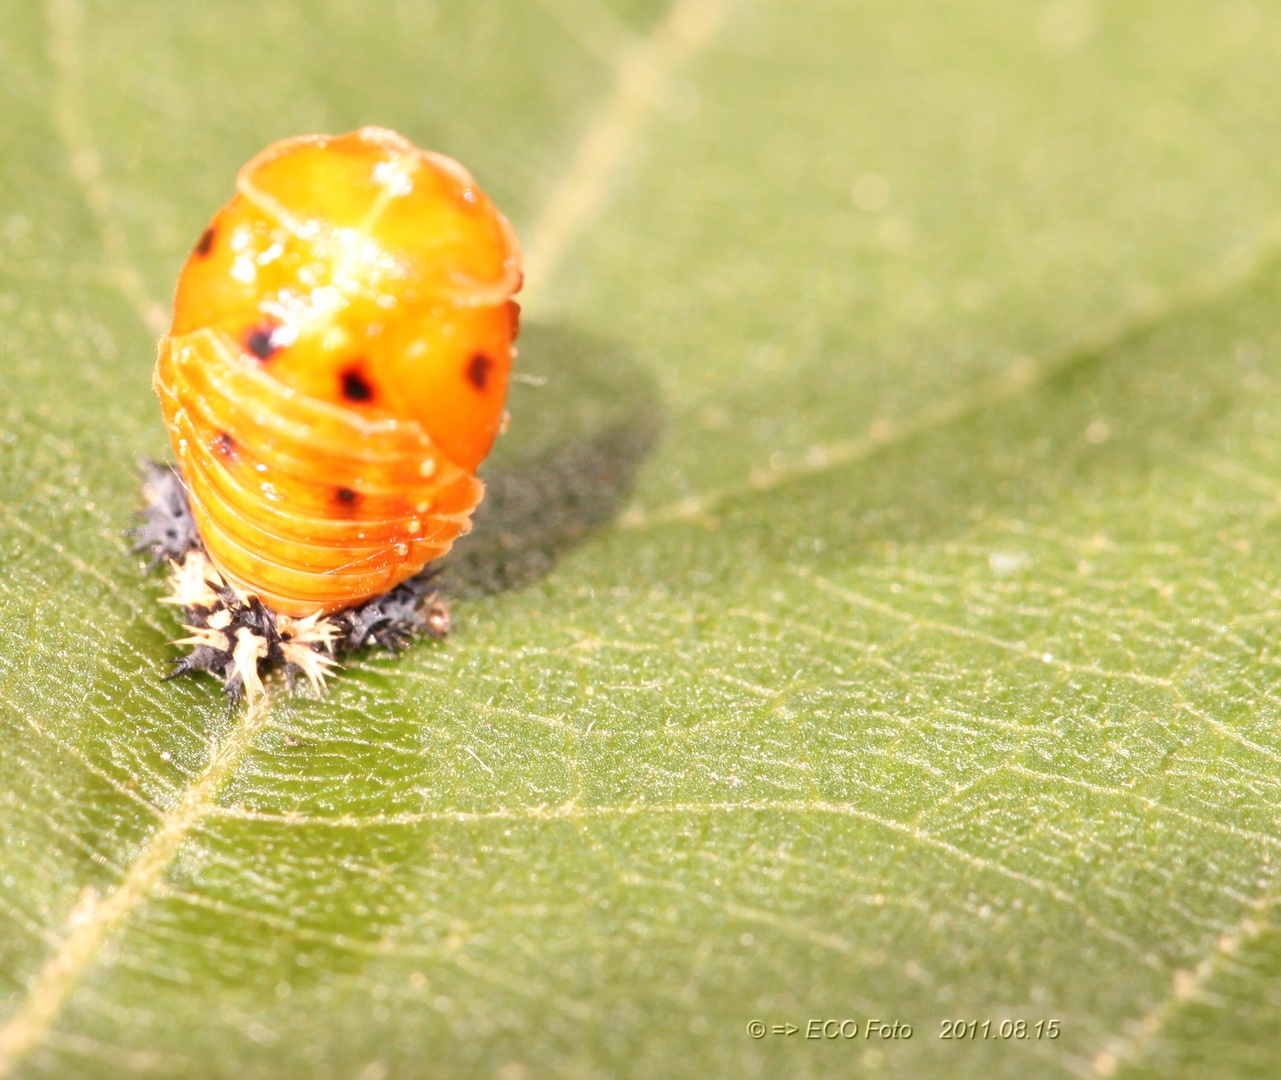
(338, 365)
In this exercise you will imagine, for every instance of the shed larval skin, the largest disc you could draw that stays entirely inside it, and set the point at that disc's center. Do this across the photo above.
(338, 365)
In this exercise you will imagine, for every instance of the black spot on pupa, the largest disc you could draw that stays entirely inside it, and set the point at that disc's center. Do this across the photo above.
(478, 369)
(258, 341)
(205, 244)
(225, 445)
(355, 387)
(345, 496)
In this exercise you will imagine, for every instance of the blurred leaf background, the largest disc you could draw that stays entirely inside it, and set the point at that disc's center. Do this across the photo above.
(872, 617)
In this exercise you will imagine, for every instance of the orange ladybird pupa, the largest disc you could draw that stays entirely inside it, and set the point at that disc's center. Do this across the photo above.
(338, 365)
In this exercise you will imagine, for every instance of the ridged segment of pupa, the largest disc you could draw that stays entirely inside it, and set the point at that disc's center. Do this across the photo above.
(338, 365)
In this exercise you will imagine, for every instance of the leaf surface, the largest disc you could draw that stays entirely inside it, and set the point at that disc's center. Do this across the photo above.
(871, 617)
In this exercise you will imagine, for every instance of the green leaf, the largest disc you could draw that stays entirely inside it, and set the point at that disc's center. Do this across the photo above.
(872, 617)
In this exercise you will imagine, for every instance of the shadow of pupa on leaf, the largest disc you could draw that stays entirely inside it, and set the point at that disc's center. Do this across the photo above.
(583, 421)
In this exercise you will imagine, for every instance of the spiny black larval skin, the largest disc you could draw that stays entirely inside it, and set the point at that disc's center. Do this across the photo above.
(391, 620)
(251, 616)
(169, 530)
(267, 641)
